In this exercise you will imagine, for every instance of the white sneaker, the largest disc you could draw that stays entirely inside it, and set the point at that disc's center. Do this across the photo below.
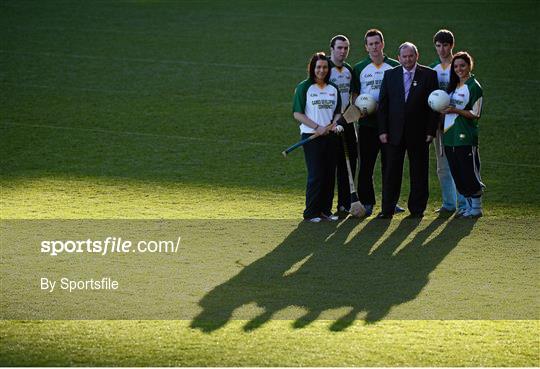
(313, 220)
(461, 212)
(472, 214)
(476, 207)
(330, 218)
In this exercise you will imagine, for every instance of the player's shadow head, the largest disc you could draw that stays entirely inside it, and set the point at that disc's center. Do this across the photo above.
(335, 272)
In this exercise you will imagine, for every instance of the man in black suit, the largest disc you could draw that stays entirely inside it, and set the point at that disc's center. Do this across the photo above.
(406, 124)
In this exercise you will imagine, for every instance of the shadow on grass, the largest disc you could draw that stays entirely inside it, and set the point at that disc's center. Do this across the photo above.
(318, 268)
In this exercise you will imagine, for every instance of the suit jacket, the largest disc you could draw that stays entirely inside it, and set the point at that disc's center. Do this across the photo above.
(409, 120)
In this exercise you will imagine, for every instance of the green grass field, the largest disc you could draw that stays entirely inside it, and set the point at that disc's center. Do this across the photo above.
(178, 110)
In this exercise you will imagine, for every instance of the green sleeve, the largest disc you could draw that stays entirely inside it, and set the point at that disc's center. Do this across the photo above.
(299, 100)
(475, 91)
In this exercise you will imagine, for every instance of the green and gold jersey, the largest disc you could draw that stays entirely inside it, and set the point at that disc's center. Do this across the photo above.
(342, 77)
(319, 104)
(458, 130)
(367, 79)
(443, 74)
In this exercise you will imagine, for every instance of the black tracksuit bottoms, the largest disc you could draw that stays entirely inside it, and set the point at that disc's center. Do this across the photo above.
(464, 162)
(320, 156)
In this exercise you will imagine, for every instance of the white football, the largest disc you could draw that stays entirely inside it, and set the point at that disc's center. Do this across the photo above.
(438, 100)
(366, 103)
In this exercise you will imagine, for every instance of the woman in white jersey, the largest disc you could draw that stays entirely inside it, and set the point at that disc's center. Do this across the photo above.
(461, 132)
(317, 107)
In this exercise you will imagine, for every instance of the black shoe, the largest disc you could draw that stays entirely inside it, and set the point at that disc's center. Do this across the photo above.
(415, 216)
(384, 216)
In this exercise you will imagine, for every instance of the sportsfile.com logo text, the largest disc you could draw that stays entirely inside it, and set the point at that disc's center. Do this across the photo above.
(109, 245)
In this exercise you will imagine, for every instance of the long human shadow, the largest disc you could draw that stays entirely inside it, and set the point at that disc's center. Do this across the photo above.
(320, 268)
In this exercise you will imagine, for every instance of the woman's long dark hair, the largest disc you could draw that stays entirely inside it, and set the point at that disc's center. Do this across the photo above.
(454, 79)
(313, 62)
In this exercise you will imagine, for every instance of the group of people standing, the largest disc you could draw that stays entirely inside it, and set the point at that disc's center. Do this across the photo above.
(403, 123)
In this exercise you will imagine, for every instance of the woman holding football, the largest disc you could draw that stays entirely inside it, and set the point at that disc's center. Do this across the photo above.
(461, 133)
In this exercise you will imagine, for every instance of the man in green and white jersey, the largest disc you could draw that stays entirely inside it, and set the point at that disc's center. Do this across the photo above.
(367, 78)
(341, 76)
(444, 43)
